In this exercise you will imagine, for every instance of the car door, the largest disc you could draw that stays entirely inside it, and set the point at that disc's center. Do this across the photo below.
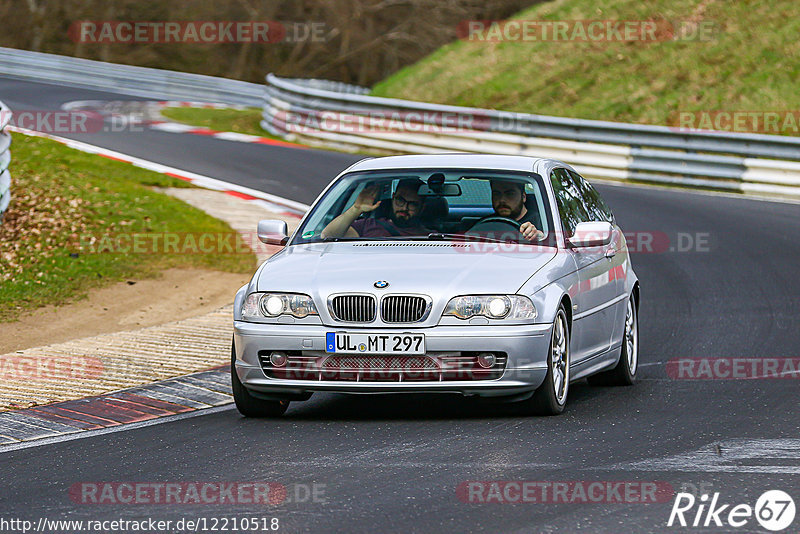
(593, 298)
(616, 252)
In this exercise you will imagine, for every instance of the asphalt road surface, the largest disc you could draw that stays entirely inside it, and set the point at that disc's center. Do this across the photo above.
(394, 463)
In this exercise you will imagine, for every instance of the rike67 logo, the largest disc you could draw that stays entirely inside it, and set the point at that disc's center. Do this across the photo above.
(774, 510)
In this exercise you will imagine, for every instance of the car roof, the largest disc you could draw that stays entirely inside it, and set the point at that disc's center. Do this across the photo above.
(428, 161)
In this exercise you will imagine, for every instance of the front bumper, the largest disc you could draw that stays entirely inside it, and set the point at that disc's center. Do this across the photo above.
(526, 347)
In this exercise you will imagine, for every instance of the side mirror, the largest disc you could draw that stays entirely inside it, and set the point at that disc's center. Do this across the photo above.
(273, 232)
(591, 234)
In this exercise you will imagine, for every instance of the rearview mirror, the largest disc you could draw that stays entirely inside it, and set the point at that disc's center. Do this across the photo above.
(273, 232)
(591, 234)
(440, 190)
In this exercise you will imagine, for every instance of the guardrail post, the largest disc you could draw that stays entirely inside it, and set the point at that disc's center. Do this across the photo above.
(5, 160)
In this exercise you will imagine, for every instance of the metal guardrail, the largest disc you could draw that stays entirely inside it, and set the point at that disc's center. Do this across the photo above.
(334, 114)
(599, 149)
(5, 160)
(127, 79)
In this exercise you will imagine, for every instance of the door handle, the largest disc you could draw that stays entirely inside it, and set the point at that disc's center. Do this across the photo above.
(611, 252)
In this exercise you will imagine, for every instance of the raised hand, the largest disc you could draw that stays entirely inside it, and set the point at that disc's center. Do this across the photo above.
(366, 200)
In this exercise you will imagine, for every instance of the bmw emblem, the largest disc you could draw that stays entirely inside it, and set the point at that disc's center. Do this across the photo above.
(380, 284)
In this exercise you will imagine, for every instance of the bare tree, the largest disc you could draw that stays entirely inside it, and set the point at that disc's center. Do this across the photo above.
(38, 12)
(364, 40)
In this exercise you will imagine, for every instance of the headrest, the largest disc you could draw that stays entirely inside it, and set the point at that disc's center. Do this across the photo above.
(435, 209)
(384, 210)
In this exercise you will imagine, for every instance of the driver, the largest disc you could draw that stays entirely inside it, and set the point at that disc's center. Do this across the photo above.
(403, 220)
(508, 200)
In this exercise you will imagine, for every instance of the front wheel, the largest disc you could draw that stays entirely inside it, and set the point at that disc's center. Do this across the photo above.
(624, 374)
(248, 405)
(551, 397)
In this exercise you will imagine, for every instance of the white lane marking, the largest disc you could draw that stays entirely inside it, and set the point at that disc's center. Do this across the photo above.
(109, 430)
(78, 104)
(240, 137)
(768, 456)
(173, 127)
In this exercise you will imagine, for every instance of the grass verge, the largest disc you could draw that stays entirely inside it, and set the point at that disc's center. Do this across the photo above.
(749, 63)
(246, 121)
(62, 197)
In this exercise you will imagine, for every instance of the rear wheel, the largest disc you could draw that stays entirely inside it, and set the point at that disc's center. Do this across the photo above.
(551, 397)
(248, 405)
(624, 374)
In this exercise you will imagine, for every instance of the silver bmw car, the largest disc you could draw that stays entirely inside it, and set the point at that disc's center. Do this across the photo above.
(485, 275)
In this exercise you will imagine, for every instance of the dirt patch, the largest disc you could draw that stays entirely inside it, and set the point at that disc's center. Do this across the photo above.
(178, 294)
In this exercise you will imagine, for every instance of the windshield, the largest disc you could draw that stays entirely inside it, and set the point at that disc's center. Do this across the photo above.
(459, 204)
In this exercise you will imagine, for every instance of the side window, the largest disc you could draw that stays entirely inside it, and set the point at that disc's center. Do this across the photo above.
(596, 207)
(568, 198)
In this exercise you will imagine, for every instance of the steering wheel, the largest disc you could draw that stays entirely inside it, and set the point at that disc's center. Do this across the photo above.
(495, 219)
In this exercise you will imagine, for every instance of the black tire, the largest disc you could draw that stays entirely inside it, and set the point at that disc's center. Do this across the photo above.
(544, 400)
(248, 405)
(624, 373)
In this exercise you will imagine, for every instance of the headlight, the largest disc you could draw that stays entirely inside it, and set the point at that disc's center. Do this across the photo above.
(259, 305)
(491, 306)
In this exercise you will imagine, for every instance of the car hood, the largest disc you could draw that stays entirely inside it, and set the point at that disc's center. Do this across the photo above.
(435, 269)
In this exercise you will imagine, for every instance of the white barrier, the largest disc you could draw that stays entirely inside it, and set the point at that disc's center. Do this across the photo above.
(5, 160)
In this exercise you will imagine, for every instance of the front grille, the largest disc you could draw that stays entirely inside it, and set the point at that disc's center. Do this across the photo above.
(354, 308)
(403, 309)
(359, 363)
(438, 367)
(374, 368)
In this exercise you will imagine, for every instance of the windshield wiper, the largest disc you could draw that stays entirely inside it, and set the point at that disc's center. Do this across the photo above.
(436, 236)
(439, 236)
(331, 239)
(465, 237)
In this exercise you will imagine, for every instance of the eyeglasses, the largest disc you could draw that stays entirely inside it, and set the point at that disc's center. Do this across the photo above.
(410, 204)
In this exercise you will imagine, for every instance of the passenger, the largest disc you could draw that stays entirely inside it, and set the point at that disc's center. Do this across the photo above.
(404, 219)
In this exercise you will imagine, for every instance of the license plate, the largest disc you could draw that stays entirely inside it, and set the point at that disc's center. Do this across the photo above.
(349, 343)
